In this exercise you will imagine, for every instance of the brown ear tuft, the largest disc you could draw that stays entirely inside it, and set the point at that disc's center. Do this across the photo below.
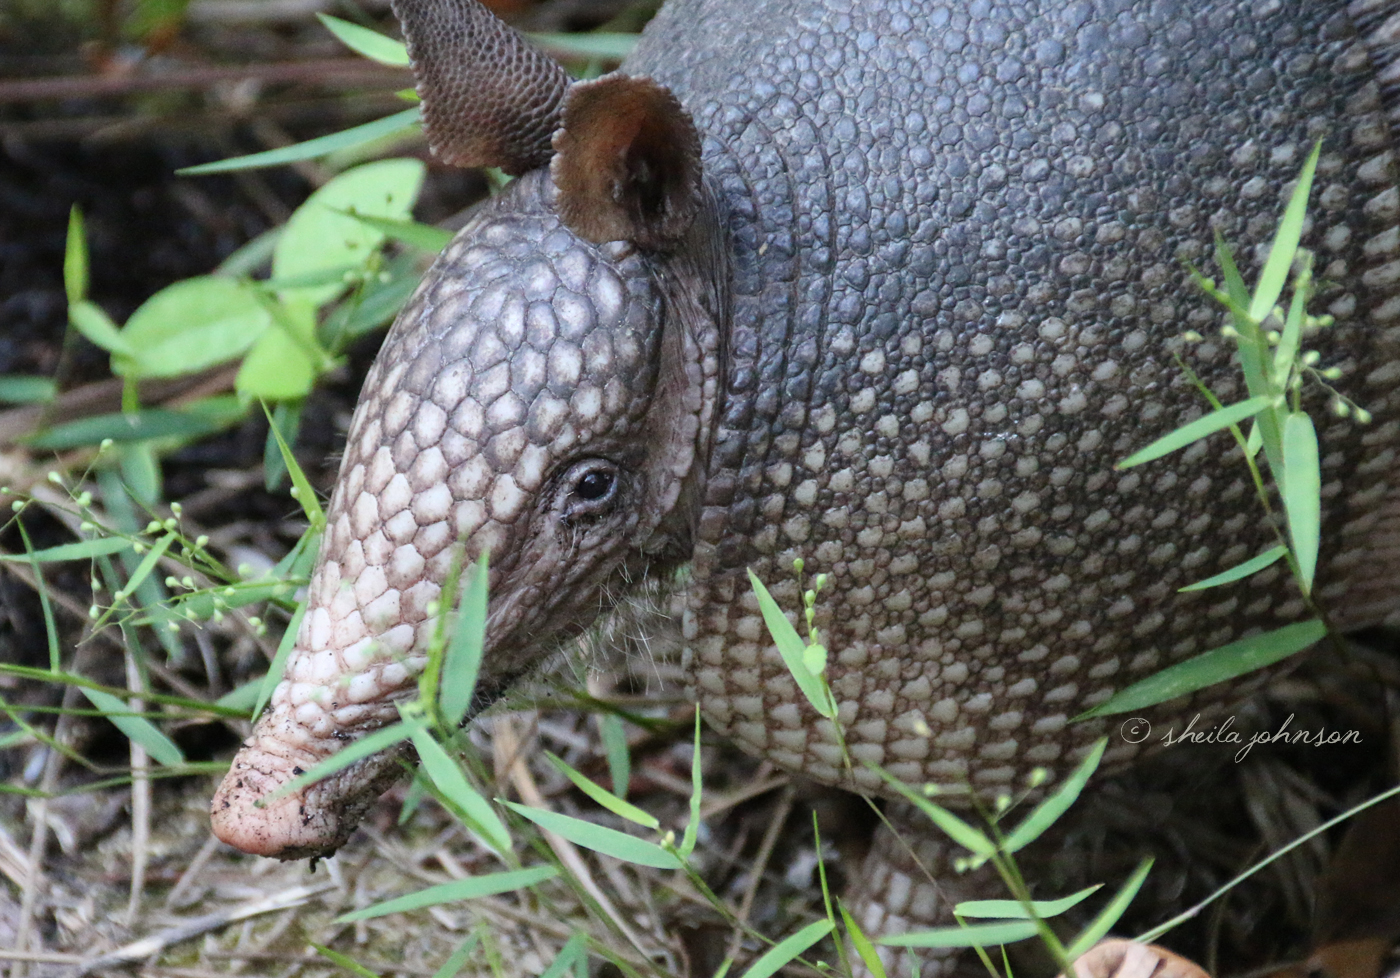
(490, 98)
(627, 163)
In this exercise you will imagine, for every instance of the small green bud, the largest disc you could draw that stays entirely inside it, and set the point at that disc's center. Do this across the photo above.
(295, 492)
(921, 728)
(17, 505)
(1191, 336)
(94, 611)
(153, 526)
(106, 444)
(218, 615)
(1002, 803)
(798, 564)
(1332, 373)
(254, 620)
(119, 596)
(931, 790)
(820, 582)
(138, 547)
(1039, 776)
(1229, 332)
(177, 509)
(201, 541)
(809, 597)
(187, 581)
(85, 499)
(170, 524)
(1273, 336)
(1363, 416)
(170, 581)
(55, 478)
(172, 626)
(961, 864)
(87, 526)
(1310, 358)
(1340, 408)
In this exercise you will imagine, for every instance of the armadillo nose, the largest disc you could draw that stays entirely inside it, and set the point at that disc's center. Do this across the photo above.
(284, 828)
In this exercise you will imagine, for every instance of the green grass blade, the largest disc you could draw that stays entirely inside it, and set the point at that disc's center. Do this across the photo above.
(1109, 915)
(137, 729)
(279, 661)
(424, 237)
(599, 838)
(305, 494)
(148, 562)
(18, 389)
(367, 43)
(864, 948)
(1194, 431)
(1251, 566)
(82, 550)
(75, 258)
(975, 935)
(462, 659)
(311, 148)
(971, 839)
(1013, 910)
(790, 647)
(1301, 489)
(573, 951)
(447, 776)
(600, 44)
(452, 965)
(608, 800)
(692, 827)
(343, 961)
(381, 739)
(1292, 336)
(463, 889)
(788, 949)
(1285, 246)
(1051, 808)
(194, 421)
(614, 737)
(1211, 667)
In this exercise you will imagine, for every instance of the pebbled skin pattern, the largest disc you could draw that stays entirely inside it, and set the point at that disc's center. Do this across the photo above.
(954, 246)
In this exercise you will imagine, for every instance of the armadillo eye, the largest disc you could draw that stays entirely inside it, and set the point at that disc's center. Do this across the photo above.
(591, 489)
(594, 485)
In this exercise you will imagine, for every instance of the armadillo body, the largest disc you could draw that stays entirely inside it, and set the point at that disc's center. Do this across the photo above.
(931, 297)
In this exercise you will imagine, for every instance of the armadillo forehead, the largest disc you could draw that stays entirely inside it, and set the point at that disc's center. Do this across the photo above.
(523, 348)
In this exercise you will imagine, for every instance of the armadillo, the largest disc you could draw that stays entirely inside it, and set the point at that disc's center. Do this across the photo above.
(886, 285)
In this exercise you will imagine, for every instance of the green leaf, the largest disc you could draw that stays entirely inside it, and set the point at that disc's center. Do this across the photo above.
(1057, 803)
(82, 550)
(863, 947)
(1211, 667)
(1014, 910)
(788, 949)
(463, 889)
(1285, 246)
(191, 326)
(1302, 493)
(599, 838)
(974, 935)
(971, 839)
(462, 659)
(311, 148)
(285, 361)
(381, 739)
(614, 738)
(75, 259)
(1194, 431)
(370, 44)
(279, 661)
(17, 389)
(608, 800)
(449, 779)
(1251, 566)
(422, 236)
(97, 326)
(1109, 915)
(138, 729)
(791, 648)
(320, 236)
(599, 44)
(195, 421)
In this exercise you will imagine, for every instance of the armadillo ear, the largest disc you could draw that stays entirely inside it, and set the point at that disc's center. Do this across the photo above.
(627, 163)
(490, 98)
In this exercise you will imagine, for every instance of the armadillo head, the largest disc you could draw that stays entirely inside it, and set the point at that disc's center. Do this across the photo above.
(544, 397)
